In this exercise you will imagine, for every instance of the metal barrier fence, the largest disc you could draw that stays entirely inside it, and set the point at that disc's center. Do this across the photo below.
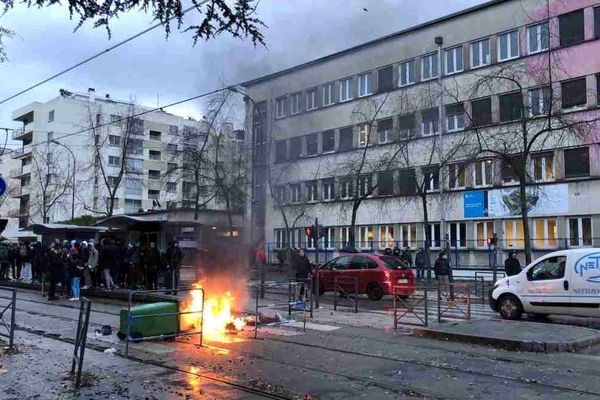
(341, 286)
(453, 299)
(81, 338)
(197, 327)
(479, 284)
(409, 305)
(12, 306)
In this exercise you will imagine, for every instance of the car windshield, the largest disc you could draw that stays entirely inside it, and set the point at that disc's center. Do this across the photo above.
(393, 262)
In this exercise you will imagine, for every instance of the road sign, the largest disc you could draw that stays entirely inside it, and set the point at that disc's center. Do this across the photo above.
(2, 186)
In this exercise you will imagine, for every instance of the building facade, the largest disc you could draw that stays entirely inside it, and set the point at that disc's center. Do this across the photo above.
(439, 108)
(118, 156)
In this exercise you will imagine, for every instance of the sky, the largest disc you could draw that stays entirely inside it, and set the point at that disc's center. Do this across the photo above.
(152, 69)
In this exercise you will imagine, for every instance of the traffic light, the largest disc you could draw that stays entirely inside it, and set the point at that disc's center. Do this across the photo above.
(492, 241)
(309, 231)
(315, 231)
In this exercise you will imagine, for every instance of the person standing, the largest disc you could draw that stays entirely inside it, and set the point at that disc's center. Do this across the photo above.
(25, 261)
(153, 264)
(65, 283)
(303, 269)
(55, 260)
(109, 263)
(512, 265)
(76, 271)
(14, 262)
(442, 272)
(4, 261)
(174, 257)
(90, 266)
(420, 262)
(406, 257)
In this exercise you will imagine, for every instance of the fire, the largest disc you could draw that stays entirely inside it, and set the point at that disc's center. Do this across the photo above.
(219, 320)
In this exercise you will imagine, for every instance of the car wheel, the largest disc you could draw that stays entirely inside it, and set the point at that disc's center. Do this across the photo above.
(510, 307)
(374, 291)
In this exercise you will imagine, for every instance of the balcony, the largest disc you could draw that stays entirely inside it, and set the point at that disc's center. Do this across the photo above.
(22, 152)
(20, 191)
(22, 133)
(20, 172)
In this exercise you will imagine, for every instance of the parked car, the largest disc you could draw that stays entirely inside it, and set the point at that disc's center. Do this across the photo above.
(373, 274)
(563, 282)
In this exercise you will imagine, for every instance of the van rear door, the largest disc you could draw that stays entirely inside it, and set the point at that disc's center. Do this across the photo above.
(584, 271)
(547, 289)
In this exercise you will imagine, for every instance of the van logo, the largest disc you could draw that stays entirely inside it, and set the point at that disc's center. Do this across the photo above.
(588, 265)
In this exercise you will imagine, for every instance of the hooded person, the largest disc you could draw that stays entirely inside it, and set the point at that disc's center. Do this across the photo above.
(512, 265)
(420, 263)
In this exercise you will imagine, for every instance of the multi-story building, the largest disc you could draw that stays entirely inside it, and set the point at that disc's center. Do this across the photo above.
(441, 103)
(118, 156)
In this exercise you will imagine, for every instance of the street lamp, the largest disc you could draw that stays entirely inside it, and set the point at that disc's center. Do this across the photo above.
(73, 188)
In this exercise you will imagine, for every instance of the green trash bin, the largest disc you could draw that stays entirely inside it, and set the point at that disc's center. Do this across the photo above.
(154, 325)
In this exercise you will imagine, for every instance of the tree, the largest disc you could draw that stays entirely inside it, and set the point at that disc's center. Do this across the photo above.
(50, 180)
(4, 33)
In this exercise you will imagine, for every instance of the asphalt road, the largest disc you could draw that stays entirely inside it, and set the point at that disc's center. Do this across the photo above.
(327, 362)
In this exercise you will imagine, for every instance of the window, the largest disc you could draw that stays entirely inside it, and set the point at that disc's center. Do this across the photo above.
(154, 155)
(597, 22)
(311, 191)
(431, 179)
(312, 144)
(154, 194)
(98, 119)
(543, 167)
(573, 93)
(550, 268)
(135, 147)
(429, 67)
(344, 236)
(115, 119)
(509, 170)
(365, 84)
(295, 193)
(328, 186)
(483, 173)
(580, 231)
(386, 237)
(296, 148)
(114, 161)
(51, 116)
(280, 150)
(345, 139)
(482, 112)
(385, 79)
(434, 232)
(172, 147)
(454, 60)
(483, 231)
(511, 106)
(480, 53)
(171, 187)
(456, 175)
(347, 191)
(155, 135)
(458, 234)
(328, 138)
(429, 123)
(50, 136)
(407, 182)
(538, 38)
(365, 185)
(311, 99)
(295, 103)
(112, 181)
(365, 237)
(279, 238)
(153, 174)
(280, 107)
(114, 140)
(280, 194)
(133, 186)
(577, 162)
(364, 134)
(132, 205)
(384, 130)
(346, 92)
(385, 183)
(327, 94)
(571, 29)
(329, 238)
(171, 167)
(539, 101)
(408, 235)
(406, 73)
(455, 117)
(513, 234)
(508, 45)
(406, 126)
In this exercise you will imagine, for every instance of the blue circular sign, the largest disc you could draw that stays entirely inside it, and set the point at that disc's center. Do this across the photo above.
(2, 186)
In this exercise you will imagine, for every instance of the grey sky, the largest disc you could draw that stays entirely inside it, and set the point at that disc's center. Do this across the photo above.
(298, 31)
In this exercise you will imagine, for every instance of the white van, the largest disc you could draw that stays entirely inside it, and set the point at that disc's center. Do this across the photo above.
(562, 282)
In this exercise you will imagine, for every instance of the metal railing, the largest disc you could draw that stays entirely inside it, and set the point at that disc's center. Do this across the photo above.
(81, 338)
(160, 296)
(409, 305)
(346, 288)
(10, 328)
(455, 299)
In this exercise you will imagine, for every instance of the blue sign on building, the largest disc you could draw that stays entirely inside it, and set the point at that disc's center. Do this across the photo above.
(474, 204)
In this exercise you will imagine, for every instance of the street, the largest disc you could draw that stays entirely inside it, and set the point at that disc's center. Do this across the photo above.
(333, 361)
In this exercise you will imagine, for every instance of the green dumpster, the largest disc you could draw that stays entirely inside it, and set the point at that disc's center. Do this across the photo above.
(146, 323)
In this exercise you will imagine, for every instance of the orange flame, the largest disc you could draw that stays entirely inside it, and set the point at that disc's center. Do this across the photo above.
(217, 313)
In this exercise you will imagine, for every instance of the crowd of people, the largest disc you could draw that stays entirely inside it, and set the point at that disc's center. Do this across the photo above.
(74, 265)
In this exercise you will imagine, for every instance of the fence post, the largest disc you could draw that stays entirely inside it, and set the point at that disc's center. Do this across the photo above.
(11, 339)
(82, 341)
(426, 307)
(439, 299)
(77, 338)
(256, 316)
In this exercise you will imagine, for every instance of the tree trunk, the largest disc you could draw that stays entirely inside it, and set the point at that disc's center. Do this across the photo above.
(351, 238)
(524, 219)
(427, 234)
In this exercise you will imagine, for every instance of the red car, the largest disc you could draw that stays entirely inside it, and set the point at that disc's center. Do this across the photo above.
(373, 274)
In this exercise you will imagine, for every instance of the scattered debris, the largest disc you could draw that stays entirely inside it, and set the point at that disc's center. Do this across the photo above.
(111, 350)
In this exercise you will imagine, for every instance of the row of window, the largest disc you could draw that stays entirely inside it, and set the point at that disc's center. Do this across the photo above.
(537, 38)
(541, 168)
(573, 94)
(544, 235)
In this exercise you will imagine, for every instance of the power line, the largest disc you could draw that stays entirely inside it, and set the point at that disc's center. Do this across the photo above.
(129, 39)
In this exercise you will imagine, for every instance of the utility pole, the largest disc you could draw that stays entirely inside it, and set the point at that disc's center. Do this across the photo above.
(439, 41)
(317, 235)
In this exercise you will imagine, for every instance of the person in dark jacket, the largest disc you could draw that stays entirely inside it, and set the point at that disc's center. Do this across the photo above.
(14, 262)
(4, 261)
(442, 272)
(512, 266)
(55, 262)
(303, 270)
(153, 264)
(406, 257)
(420, 263)
(75, 263)
(396, 252)
(110, 261)
(173, 263)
